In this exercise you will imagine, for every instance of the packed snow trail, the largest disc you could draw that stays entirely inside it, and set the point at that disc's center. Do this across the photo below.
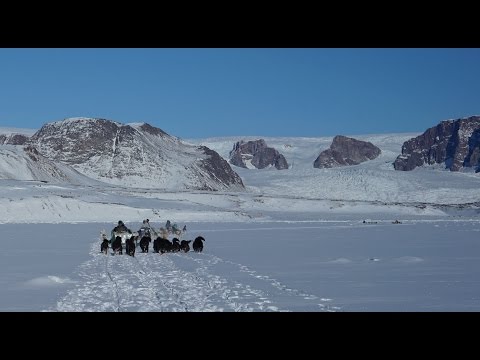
(178, 282)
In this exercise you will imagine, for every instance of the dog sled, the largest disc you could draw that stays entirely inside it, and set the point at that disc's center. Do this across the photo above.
(165, 233)
(145, 231)
(172, 229)
(124, 235)
(120, 240)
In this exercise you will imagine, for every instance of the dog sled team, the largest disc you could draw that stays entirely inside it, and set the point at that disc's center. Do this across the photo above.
(122, 238)
(376, 222)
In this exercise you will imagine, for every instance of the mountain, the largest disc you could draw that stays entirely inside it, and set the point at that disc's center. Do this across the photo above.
(371, 181)
(454, 143)
(300, 192)
(257, 155)
(346, 151)
(335, 189)
(133, 155)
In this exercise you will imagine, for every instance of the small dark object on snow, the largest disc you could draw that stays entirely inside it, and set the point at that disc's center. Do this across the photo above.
(162, 245)
(130, 246)
(104, 246)
(198, 244)
(144, 243)
(117, 246)
(184, 245)
(175, 245)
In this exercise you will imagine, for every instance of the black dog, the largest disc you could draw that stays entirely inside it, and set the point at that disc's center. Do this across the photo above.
(130, 246)
(175, 245)
(104, 246)
(117, 246)
(144, 243)
(162, 245)
(197, 244)
(184, 245)
(156, 244)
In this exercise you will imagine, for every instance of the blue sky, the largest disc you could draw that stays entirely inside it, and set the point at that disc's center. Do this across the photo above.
(195, 93)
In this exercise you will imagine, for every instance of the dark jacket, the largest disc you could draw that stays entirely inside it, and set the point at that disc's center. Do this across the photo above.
(121, 228)
(118, 229)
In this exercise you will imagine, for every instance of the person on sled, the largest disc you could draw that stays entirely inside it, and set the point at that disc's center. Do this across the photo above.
(145, 230)
(175, 229)
(118, 229)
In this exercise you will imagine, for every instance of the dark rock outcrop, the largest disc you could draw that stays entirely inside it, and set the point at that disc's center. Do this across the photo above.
(259, 155)
(13, 139)
(218, 167)
(455, 143)
(346, 151)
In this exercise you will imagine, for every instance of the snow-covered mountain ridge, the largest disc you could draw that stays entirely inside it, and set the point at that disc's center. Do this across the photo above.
(300, 193)
(374, 180)
(136, 155)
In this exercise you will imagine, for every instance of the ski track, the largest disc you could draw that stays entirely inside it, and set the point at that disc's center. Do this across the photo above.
(207, 261)
(151, 282)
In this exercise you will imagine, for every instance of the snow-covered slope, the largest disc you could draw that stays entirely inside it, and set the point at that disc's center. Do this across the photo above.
(374, 180)
(25, 163)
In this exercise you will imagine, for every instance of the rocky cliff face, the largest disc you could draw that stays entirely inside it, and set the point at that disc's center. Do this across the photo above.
(13, 139)
(455, 143)
(256, 154)
(138, 155)
(346, 151)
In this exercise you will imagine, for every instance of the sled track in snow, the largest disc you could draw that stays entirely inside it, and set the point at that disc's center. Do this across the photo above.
(177, 282)
(192, 291)
(207, 261)
(114, 284)
(98, 288)
(234, 296)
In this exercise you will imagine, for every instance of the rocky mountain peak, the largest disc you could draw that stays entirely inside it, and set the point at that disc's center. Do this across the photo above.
(256, 154)
(346, 151)
(454, 143)
(137, 155)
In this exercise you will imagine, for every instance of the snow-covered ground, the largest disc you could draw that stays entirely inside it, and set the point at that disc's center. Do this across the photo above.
(329, 266)
(294, 241)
